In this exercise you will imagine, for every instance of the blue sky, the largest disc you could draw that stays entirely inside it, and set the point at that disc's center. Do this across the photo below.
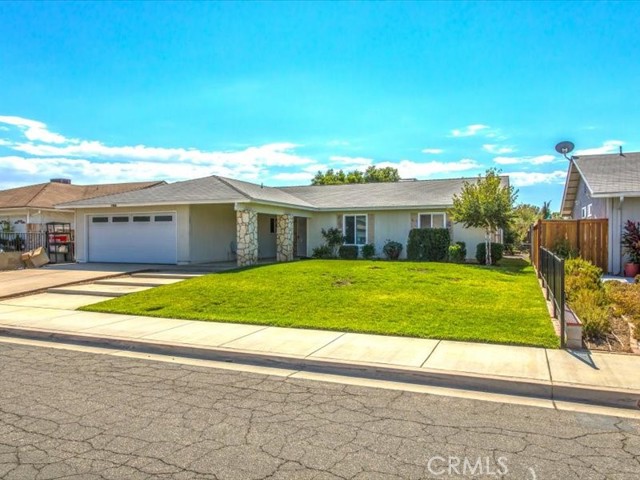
(272, 92)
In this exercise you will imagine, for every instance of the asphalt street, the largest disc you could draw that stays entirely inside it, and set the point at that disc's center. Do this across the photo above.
(77, 415)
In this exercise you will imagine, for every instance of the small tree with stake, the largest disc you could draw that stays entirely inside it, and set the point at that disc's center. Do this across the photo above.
(484, 204)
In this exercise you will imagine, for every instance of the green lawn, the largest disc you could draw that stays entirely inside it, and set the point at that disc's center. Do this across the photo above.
(432, 300)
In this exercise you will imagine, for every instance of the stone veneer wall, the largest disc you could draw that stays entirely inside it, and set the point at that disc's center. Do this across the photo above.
(247, 232)
(284, 238)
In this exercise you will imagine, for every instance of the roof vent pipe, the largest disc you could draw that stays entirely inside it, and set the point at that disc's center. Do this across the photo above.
(620, 147)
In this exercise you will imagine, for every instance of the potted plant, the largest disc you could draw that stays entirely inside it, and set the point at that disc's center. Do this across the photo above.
(631, 244)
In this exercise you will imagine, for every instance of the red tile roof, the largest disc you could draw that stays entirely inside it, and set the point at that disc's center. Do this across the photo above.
(47, 195)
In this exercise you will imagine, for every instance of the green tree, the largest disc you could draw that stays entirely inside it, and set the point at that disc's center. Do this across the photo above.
(524, 215)
(545, 211)
(485, 204)
(371, 174)
(382, 174)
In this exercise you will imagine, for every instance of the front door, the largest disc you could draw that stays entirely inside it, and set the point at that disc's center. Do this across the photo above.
(300, 236)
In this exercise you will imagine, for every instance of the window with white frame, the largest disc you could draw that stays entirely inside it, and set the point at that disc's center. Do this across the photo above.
(355, 229)
(589, 210)
(584, 212)
(432, 220)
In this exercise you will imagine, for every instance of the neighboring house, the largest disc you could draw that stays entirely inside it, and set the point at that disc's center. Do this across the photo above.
(215, 218)
(604, 186)
(30, 208)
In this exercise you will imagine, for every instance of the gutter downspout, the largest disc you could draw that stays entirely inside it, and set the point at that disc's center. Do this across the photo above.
(620, 271)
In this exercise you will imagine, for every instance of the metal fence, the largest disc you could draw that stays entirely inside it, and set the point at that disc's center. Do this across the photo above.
(22, 242)
(551, 271)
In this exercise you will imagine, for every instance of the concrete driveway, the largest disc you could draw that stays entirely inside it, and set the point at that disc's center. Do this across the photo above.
(23, 282)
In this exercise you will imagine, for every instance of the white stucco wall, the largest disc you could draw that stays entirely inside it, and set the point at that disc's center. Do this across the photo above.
(470, 236)
(38, 217)
(619, 213)
(213, 228)
(182, 212)
(388, 225)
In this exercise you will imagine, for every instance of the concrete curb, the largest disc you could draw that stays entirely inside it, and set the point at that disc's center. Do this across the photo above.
(609, 397)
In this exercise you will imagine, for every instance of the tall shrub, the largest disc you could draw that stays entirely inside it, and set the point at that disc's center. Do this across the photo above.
(333, 239)
(428, 244)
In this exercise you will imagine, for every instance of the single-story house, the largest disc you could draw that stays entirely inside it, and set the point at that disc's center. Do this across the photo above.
(30, 208)
(216, 219)
(604, 186)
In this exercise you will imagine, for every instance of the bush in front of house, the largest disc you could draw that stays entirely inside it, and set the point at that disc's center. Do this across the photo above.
(392, 250)
(428, 244)
(587, 297)
(580, 274)
(497, 250)
(348, 252)
(368, 251)
(625, 300)
(333, 239)
(590, 306)
(456, 253)
(324, 251)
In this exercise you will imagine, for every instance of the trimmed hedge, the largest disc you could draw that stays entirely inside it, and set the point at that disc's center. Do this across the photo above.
(497, 249)
(428, 244)
(348, 252)
(323, 251)
(368, 251)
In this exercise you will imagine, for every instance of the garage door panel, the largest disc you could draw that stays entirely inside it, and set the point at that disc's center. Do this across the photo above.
(131, 238)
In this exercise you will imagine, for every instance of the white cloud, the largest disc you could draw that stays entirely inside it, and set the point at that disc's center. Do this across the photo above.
(34, 130)
(86, 171)
(411, 169)
(469, 130)
(528, 179)
(609, 146)
(432, 151)
(274, 154)
(498, 149)
(537, 160)
(351, 163)
(294, 176)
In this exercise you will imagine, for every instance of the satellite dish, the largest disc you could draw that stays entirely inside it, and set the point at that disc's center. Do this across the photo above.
(564, 148)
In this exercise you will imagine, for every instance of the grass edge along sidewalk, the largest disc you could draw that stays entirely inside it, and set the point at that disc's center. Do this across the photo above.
(501, 304)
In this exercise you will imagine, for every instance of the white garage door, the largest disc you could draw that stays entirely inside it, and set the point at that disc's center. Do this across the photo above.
(133, 238)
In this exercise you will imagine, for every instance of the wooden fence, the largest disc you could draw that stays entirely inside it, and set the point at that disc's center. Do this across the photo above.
(588, 237)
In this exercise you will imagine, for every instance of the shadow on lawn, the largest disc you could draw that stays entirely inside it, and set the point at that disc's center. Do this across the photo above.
(506, 266)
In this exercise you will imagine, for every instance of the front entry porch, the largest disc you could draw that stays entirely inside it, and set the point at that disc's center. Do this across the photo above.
(260, 235)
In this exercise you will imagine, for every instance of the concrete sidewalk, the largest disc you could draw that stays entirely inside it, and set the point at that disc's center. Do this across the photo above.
(573, 376)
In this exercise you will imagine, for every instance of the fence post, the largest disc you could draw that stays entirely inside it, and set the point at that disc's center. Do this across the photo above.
(561, 306)
(553, 286)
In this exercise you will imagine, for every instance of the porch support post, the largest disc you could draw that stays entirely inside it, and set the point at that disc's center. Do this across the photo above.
(247, 237)
(284, 238)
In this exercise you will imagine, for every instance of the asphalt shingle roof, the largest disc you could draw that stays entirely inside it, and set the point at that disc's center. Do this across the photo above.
(405, 194)
(610, 173)
(418, 193)
(47, 195)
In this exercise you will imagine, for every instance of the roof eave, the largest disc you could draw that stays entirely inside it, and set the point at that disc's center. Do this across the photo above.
(615, 194)
(387, 207)
(146, 204)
